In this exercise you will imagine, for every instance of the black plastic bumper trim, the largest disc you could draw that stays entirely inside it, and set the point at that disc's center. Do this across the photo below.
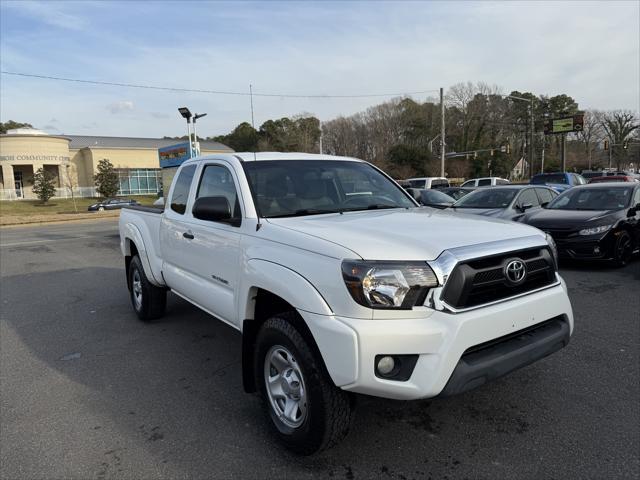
(494, 359)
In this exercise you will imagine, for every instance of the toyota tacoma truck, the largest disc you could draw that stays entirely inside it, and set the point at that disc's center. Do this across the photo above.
(341, 284)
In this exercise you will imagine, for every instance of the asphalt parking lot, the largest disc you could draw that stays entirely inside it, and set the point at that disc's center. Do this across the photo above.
(87, 391)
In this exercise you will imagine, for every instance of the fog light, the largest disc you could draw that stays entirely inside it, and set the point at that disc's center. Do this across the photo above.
(386, 365)
(596, 250)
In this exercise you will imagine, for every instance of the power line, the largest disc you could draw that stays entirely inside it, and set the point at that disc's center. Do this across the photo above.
(211, 92)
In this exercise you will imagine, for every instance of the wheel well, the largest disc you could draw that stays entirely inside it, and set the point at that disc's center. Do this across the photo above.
(265, 306)
(133, 251)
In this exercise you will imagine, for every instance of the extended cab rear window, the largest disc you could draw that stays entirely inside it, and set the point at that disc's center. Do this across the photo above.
(181, 189)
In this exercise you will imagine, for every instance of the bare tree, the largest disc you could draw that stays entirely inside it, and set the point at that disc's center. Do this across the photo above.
(592, 132)
(619, 126)
(69, 183)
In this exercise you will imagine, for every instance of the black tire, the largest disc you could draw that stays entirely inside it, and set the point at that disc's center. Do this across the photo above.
(622, 249)
(149, 301)
(329, 409)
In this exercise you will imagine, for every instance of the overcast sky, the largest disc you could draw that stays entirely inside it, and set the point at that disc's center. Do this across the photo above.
(589, 50)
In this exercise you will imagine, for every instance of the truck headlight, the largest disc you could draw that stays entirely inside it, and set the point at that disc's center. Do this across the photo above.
(594, 230)
(382, 284)
(553, 248)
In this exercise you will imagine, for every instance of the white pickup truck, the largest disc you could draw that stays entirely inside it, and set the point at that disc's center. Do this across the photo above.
(340, 284)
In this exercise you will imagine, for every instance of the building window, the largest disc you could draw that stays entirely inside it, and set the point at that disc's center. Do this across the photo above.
(139, 181)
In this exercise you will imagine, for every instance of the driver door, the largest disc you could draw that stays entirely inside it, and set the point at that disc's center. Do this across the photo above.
(214, 246)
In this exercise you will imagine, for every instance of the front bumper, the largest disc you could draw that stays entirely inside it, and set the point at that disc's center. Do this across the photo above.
(586, 248)
(349, 346)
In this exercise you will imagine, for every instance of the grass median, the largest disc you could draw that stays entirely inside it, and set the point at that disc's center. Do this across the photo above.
(17, 212)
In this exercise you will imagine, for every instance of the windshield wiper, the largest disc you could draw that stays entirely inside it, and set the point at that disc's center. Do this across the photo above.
(374, 206)
(305, 211)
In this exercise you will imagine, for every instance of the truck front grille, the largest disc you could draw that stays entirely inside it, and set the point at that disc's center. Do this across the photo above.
(480, 281)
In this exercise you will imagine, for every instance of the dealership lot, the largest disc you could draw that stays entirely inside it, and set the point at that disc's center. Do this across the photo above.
(90, 392)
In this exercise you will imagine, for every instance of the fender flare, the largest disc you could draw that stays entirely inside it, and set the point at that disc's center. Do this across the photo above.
(131, 233)
(281, 281)
(278, 280)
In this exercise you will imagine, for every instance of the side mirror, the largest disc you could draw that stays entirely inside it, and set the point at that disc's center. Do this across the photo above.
(633, 210)
(544, 204)
(415, 193)
(213, 209)
(525, 207)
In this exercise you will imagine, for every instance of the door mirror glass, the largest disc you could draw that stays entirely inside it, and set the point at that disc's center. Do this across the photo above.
(526, 207)
(214, 209)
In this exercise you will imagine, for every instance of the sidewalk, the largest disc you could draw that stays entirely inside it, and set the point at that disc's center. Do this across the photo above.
(6, 220)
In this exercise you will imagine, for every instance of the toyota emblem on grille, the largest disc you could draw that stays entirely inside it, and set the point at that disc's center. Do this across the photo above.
(515, 271)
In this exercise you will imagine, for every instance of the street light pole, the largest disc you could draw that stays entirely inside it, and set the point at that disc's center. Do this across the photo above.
(196, 145)
(186, 114)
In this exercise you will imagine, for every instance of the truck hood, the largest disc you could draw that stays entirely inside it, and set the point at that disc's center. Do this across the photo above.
(414, 234)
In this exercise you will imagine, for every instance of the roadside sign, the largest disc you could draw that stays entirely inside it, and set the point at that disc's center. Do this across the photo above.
(574, 123)
(174, 155)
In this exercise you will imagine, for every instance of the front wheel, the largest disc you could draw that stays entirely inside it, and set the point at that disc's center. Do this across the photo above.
(149, 301)
(623, 249)
(307, 412)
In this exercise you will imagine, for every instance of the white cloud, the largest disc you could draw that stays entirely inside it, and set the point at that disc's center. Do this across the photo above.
(51, 13)
(120, 107)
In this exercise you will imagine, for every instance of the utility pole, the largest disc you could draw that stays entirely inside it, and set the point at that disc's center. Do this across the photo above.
(610, 150)
(251, 97)
(564, 152)
(531, 134)
(442, 136)
(321, 152)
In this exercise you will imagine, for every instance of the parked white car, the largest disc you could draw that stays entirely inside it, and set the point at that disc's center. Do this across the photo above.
(485, 182)
(340, 283)
(428, 182)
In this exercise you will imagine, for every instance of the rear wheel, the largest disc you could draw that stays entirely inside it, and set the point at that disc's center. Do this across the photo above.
(623, 249)
(149, 301)
(306, 411)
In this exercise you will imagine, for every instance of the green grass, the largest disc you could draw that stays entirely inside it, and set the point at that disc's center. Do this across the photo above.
(58, 205)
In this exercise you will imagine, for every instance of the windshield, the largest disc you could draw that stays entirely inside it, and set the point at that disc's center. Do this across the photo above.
(488, 198)
(308, 187)
(592, 199)
(549, 178)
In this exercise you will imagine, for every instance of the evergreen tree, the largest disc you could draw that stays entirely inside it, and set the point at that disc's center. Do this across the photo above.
(107, 182)
(44, 185)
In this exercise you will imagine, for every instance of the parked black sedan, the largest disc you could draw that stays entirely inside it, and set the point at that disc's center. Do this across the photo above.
(596, 221)
(111, 204)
